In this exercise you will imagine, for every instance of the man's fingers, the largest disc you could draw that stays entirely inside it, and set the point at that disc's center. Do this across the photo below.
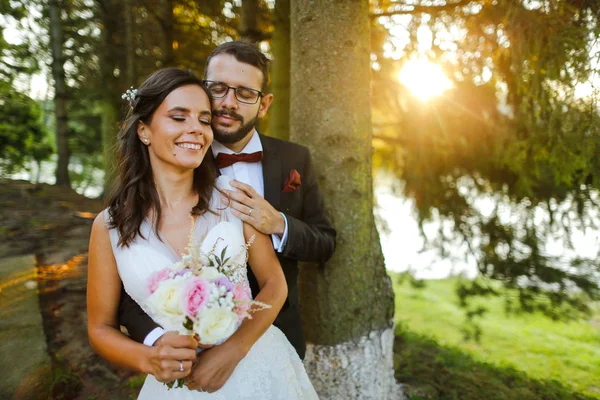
(244, 188)
(242, 216)
(240, 197)
(241, 208)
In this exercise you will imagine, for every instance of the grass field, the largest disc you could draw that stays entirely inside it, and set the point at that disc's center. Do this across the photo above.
(518, 357)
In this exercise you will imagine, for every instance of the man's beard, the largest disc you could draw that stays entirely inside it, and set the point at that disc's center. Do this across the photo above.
(225, 137)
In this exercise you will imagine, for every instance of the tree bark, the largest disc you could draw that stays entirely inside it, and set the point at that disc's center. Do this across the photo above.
(130, 43)
(279, 114)
(249, 21)
(166, 23)
(60, 94)
(110, 101)
(347, 306)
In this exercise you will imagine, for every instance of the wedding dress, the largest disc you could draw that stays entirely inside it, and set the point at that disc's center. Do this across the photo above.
(270, 370)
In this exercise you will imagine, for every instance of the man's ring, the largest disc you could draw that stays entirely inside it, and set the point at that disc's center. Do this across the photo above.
(180, 366)
(250, 212)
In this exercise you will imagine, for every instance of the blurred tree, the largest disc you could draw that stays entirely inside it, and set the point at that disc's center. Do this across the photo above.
(511, 130)
(15, 58)
(22, 135)
(60, 91)
(279, 113)
(347, 306)
(255, 21)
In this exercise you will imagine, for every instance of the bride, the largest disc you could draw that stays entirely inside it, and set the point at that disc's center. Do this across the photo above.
(163, 179)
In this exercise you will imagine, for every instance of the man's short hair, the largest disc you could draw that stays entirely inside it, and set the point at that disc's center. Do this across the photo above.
(244, 52)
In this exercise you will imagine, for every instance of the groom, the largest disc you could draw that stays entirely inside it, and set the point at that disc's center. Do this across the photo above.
(276, 192)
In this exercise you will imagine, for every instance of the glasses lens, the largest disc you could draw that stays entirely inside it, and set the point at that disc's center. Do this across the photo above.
(246, 95)
(217, 89)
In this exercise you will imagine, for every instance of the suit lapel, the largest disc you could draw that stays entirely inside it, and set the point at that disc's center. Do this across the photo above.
(272, 170)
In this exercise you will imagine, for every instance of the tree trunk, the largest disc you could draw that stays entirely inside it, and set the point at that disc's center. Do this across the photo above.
(110, 101)
(129, 43)
(348, 306)
(166, 23)
(60, 94)
(279, 114)
(249, 21)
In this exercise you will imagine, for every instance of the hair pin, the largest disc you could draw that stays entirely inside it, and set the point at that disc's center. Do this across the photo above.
(130, 95)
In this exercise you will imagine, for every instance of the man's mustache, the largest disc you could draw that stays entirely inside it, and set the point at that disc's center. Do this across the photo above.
(230, 114)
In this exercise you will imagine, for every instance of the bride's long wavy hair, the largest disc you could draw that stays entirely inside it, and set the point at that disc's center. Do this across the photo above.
(135, 194)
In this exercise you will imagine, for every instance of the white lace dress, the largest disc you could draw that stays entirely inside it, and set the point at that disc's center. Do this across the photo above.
(270, 370)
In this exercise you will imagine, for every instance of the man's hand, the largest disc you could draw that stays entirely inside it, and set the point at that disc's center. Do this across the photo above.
(168, 354)
(250, 207)
(213, 367)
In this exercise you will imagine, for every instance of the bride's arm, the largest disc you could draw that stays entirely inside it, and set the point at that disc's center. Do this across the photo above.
(103, 294)
(273, 289)
(215, 366)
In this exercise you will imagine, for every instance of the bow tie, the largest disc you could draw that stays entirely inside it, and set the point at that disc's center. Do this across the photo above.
(225, 160)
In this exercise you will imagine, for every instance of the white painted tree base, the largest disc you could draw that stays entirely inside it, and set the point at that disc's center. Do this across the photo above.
(362, 369)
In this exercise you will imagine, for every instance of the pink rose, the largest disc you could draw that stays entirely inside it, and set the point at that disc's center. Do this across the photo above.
(158, 277)
(195, 296)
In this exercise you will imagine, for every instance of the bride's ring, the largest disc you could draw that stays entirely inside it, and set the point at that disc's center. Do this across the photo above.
(180, 366)
(250, 212)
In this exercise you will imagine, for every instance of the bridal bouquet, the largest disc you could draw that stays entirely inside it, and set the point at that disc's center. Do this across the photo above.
(203, 294)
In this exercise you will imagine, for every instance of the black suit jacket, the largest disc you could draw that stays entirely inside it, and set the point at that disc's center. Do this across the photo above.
(311, 237)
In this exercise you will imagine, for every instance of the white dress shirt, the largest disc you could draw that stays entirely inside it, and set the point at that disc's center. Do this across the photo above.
(250, 174)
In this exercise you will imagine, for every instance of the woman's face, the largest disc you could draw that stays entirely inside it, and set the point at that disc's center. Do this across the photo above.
(180, 134)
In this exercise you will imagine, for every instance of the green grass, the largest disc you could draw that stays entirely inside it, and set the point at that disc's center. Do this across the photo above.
(525, 356)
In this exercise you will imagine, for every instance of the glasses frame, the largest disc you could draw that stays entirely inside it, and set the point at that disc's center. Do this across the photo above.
(235, 89)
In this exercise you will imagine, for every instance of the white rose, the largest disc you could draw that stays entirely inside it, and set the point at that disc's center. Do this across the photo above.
(214, 325)
(178, 266)
(209, 273)
(165, 303)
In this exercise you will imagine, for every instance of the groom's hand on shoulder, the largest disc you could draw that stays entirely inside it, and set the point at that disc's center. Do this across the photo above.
(166, 354)
(252, 208)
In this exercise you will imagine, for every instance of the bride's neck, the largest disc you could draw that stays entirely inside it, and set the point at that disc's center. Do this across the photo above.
(173, 189)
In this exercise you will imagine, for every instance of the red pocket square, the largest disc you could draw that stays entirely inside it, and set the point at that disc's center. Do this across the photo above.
(292, 182)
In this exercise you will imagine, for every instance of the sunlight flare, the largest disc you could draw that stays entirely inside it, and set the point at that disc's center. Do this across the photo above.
(424, 78)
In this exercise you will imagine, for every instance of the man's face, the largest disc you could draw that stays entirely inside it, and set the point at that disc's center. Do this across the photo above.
(234, 120)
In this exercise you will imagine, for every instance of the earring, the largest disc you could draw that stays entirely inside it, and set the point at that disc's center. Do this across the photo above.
(146, 141)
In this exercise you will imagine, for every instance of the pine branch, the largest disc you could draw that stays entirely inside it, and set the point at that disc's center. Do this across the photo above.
(423, 9)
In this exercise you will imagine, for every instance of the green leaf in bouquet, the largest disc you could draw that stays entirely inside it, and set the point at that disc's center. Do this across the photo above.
(177, 383)
(188, 324)
(223, 253)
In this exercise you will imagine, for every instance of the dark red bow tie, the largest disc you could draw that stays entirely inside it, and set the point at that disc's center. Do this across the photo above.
(225, 160)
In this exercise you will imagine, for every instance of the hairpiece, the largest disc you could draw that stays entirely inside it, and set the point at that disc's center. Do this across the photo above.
(130, 95)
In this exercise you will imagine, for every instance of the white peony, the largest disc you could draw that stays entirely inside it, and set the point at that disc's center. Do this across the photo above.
(215, 325)
(165, 303)
(178, 266)
(209, 273)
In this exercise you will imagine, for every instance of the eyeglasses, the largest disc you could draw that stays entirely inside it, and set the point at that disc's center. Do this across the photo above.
(244, 95)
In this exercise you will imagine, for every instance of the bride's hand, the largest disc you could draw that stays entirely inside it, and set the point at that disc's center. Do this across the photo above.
(171, 357)
(214, 367)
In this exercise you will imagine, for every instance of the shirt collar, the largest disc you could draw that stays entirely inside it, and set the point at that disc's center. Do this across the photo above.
(252, 146)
